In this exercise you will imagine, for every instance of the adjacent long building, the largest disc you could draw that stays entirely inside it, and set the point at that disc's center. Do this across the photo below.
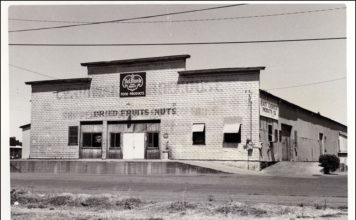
(141, 108)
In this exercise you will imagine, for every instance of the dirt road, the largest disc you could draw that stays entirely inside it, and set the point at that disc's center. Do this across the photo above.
(247, 188)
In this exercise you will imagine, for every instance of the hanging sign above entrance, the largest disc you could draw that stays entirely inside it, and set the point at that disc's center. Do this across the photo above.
(269, 109)
(132, 84)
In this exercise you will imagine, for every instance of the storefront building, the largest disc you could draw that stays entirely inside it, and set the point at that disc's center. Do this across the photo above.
(138, 108)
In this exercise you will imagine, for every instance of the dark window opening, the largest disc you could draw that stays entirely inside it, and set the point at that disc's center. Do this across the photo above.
(198, 134)
(275, 135)
(73, 135)
(92, 139)
(114, 139)
(270, 136)
(153, 140)
(199, 137)
(232, 137)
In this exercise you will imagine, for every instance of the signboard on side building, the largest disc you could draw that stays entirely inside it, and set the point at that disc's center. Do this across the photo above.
(269, 109)
(132, 84)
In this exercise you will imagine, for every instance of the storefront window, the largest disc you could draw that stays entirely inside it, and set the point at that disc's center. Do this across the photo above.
(114, 139)
(92, 139)
(153, 139)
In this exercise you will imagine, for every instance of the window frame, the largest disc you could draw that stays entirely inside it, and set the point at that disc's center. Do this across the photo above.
(92, 134)
(154, 137)
(196, 133)
(115, 135)
(71, 136)
(238, 141)
(270, 132)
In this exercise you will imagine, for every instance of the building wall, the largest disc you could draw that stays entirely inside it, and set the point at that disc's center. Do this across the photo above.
(305, 144)
(26, 143)
(186, 100)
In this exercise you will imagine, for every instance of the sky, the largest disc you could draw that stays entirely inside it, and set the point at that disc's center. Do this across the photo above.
(287, 64)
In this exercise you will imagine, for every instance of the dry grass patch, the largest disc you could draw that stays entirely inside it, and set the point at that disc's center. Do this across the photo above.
(181, 206)
(241, 209)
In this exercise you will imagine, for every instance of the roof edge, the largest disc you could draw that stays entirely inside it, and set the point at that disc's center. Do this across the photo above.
(221, 70)
(137, 60)
(60, 81)
(304, 109)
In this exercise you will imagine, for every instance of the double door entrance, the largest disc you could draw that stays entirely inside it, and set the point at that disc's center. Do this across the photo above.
(120, 139)
(133, 146)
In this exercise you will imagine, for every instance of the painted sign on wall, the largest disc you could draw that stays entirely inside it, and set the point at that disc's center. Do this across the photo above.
(132, 84)
(269, 109)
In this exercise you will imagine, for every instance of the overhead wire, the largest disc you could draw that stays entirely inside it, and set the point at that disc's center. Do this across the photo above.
(187, 20)
(31, 71)
(307, 84)
(125, 19)
(287, 87)
(174, 44)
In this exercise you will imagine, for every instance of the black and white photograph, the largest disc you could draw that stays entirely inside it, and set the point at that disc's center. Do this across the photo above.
(177, 110)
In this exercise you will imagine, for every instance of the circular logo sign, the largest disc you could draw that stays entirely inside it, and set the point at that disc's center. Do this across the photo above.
(132, 82)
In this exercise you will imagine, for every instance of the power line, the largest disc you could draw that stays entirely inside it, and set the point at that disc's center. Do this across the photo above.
(177, 44)
(126, 19)
(308, 84)
(186, 20)
(31, 71)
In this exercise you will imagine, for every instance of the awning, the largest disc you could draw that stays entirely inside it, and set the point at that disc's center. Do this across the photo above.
(198, 127)
(231, 127)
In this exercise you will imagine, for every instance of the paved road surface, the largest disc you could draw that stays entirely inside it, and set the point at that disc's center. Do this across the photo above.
(247, 188)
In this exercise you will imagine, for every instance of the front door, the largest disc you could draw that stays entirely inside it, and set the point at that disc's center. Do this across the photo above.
(133, 146)
(286, 143)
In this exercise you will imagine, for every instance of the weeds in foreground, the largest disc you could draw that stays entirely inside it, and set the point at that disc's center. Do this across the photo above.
(242, 210)
(181, 206)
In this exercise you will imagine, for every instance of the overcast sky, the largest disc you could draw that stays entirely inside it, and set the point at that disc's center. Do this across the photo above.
(287, 64)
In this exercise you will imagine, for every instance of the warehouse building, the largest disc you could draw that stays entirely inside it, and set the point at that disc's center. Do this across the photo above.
(143, 108)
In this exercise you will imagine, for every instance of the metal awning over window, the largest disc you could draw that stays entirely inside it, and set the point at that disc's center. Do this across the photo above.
(198, 127)
(232, 127)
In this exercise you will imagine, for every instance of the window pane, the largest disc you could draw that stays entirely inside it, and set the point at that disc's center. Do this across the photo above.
(269, 132)
(155, 140)
(117, 140)
(232, 137)
(150, 139)
(198, 137)
(112, 139)
(73, 135)
(86, 139)
(96, 142)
